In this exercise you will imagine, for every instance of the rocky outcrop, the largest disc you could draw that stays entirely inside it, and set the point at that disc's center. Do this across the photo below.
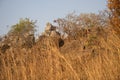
(50, 31)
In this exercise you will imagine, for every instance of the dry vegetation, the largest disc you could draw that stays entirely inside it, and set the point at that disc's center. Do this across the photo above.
(91, 50)
(45, 61)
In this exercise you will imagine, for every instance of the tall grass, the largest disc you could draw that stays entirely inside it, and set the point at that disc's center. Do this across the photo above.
(46, 61)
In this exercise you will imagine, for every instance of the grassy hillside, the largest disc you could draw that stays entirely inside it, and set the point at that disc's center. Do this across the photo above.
(91, 58)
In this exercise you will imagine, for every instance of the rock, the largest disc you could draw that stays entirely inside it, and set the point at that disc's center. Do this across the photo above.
(55, 34)
(48, 27)
(50, 31)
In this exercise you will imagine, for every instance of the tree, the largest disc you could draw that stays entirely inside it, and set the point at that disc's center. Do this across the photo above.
(24, 26)
(114, 7)
(77, 25)
(22, 33)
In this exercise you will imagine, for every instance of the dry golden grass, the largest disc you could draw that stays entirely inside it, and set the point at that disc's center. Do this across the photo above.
(45, 61)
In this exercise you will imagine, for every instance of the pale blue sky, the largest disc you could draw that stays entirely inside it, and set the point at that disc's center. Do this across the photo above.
(43, 10)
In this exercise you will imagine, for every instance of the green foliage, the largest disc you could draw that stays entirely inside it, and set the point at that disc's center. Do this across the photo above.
(23, 26)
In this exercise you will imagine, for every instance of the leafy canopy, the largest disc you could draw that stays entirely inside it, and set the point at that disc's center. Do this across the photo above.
(23, 26)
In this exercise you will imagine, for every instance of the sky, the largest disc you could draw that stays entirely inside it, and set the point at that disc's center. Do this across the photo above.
(43, 11)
